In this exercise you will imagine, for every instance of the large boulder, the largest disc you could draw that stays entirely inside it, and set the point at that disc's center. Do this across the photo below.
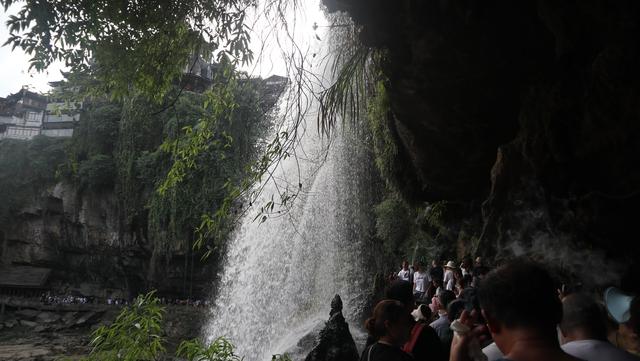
(335, 342)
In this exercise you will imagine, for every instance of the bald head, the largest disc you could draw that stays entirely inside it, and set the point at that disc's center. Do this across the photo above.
(582, 318)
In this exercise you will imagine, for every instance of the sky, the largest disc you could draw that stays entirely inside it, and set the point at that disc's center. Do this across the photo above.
(14, 65)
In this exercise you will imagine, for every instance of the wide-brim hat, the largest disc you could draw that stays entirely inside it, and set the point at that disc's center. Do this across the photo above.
(618, 304)
(450, 264)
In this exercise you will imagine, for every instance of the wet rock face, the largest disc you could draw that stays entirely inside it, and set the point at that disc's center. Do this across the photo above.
(456, 74)
(80, 236)
(335, 342)
(554, 85)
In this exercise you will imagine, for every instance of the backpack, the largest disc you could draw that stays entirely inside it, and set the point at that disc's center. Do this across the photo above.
(413, 339)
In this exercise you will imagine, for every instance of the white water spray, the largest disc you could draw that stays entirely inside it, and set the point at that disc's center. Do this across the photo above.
(279, 277)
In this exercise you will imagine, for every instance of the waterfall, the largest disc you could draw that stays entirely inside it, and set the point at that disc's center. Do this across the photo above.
(279, 276)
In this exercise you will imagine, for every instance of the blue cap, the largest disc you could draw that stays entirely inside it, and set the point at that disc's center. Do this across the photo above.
(618, 304)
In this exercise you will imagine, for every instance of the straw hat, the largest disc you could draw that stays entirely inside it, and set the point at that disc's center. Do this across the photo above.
(450, 264)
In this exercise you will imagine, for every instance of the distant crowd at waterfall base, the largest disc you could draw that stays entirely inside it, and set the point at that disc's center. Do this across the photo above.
(52, 299)
(515, 312)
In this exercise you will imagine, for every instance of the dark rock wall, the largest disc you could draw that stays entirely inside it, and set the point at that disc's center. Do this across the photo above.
(80, 236)
(531, 107)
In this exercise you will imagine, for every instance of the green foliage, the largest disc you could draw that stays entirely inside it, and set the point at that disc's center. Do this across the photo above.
(219, 350)
(26, 169)
(355, 68)
(393, 223)
(140, 46)
(89, 153)
(433, 214)
(219, 106)
(225, 135)
(135, 335)
(170, 168)
(97, 172)
(345, 97)
(384, 145)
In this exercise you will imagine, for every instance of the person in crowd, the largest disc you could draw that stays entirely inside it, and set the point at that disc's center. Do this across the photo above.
(449, 280)
(479, 272)
(390, 326)
(522, 310)
(584, 331)
(424, 343)
(434, 289)
(422, 313)
(470, 296)
(465, 267)
(404, 274)
(462, 284)
(479, 268)
(436, 272)
(412, 270)
(420, 282)
(458, 285)
(441, 325)
(624, 310)
(454, 310)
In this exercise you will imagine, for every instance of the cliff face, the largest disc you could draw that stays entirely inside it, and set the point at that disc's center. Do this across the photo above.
(528, 107)
(79, 235)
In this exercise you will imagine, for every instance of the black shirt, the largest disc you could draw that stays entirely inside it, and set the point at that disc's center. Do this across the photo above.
(383, 352)
(436, 273)
(429, 347)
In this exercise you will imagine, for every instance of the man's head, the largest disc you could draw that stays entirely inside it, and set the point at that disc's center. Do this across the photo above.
(405, 265)
(435, 263)
(445, 297)
(402, 291)
(454, 309)
(478, 261)
(520, 296)
(582, 319)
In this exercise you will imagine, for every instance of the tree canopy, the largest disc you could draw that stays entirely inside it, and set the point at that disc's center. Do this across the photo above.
(127, 45)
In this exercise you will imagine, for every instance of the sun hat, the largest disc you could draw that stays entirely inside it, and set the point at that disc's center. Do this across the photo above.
(422, 312)
(618, 304)
(450, 264)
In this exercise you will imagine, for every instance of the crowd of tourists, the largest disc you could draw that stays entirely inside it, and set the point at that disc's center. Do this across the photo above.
(51, 299)
(514, 312)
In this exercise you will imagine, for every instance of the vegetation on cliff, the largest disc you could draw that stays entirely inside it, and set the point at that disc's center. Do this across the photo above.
(26, 168)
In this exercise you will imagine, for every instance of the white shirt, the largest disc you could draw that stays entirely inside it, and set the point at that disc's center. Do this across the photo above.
(596, 350)
(448, 280)
(404, 275)
(419, 279)
(492, 352)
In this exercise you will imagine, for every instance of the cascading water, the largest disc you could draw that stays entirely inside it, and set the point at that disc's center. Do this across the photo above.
(280, 276)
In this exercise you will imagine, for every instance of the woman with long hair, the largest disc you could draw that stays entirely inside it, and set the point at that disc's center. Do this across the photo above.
(390, 326)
